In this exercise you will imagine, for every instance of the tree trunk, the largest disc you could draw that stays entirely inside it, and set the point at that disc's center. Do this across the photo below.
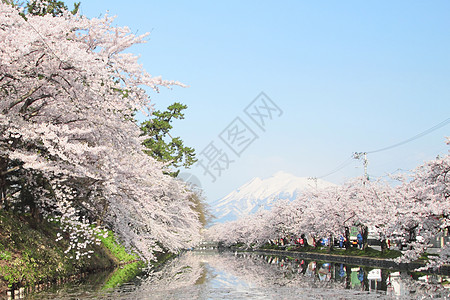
(384, 280)
(365, 282)
(365, 234)
(348, 281)
(3, 171)
(330, 243)
(384, 246)
(347, 238)
(101, 218)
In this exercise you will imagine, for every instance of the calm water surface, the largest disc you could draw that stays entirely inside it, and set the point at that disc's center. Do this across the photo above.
(213, 275)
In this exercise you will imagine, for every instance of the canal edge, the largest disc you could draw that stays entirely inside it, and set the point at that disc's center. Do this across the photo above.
(356, 260)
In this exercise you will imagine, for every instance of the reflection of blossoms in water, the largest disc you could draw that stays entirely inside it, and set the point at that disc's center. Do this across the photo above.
(213, 275)
(185, 270)
(402, 284)
(321, 279)
(176, 279)
(238, 275)
(266, 271)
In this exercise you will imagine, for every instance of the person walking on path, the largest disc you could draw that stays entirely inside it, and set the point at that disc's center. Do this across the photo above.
(360, 240)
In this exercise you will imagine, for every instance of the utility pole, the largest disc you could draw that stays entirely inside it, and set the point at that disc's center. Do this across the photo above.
(315, 180)
(363, 156)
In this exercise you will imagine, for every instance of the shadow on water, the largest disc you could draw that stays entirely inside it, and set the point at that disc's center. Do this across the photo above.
(228, 275)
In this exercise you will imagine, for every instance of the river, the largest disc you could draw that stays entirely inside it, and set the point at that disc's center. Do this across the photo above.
(228, 275)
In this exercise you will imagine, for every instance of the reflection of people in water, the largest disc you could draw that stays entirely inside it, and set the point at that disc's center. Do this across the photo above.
(363, 278)
(311, 269)
(302, 267)
(190, 269)
(342, 271)
(361, 275)
(324, 272)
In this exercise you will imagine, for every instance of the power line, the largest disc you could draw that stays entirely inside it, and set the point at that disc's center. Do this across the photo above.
(339, 167)
(442, 124)
(359, 155)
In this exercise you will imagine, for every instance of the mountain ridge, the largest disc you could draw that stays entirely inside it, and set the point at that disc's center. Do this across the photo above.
(257, 193)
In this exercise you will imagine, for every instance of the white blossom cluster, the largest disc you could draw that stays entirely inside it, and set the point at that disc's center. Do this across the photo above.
(78, 230)
(68, 93)
(414, 212)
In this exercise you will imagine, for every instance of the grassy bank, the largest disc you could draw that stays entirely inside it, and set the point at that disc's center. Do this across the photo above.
(30, 254)
(129, 265)
(132, 269)
(117, 251)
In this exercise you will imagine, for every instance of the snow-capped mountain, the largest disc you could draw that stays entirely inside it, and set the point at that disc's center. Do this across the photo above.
(258, 192)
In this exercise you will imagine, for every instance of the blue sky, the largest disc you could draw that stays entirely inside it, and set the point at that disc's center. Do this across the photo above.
(348, 76)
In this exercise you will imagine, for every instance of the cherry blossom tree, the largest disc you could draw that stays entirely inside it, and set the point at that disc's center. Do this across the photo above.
(417, 208)
(424, 208)
(68, 97)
